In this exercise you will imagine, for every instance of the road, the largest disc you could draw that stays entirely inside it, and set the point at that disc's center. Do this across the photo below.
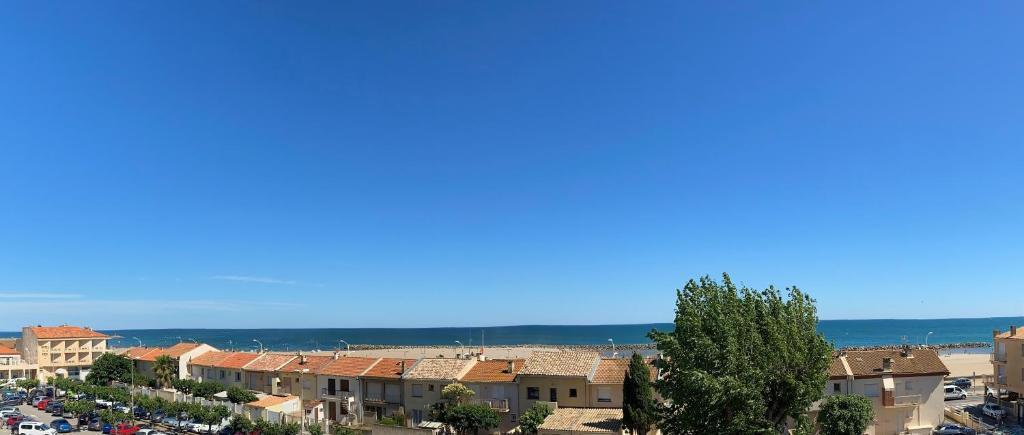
(972, 405)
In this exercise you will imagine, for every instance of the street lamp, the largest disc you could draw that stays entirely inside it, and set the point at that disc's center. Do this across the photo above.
(926, 337)
(137, 338)
(613, 347)
(231, 345)
(462, 349)
(260, 343)
(347, 346)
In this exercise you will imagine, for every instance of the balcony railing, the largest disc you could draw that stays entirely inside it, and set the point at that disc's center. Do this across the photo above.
(500, 405)
(336, 393)
(999, 357)
(912, 400)
(374, 398)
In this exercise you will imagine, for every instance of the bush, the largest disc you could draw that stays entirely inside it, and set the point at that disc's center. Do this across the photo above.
(240, 395)
(533, 418)
(845, 414)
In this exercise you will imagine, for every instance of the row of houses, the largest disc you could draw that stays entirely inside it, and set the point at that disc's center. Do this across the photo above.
(353, 389)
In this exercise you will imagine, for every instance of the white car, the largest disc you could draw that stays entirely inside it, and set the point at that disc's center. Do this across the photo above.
(7, 413)
(35, 428)
(101, 403)
(954, 392)
(993, 410)
(149, 431)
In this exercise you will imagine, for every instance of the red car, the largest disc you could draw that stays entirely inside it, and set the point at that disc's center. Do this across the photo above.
(14, 419)
(42, 404)
(124, 429)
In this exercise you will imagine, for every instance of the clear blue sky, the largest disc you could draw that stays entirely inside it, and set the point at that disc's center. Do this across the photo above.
(274, 164)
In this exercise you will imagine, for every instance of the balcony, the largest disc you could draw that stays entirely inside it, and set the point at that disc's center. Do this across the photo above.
(500, 405)
(336, 394)
(377, 399)
(905, 401)
(999, 357)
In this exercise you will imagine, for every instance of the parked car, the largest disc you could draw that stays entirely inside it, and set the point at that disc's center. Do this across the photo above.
(14, 419)
(954, 392)
(124, 429)
(51, 405)
(83, 420)
(95, 424)
(952, 429)
(106, 428)
(41, 405)
(964, 383)
(149, 431)
(35, 428)
(58, 409)
(993, 410)
(103, 404)
(157, 417)
(61, 425)
(4, 413)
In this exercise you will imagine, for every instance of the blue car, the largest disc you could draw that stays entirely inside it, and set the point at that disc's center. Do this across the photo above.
(61, 425)
(107, 428)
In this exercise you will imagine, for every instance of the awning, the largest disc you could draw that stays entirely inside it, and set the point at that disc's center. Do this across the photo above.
(888, 384)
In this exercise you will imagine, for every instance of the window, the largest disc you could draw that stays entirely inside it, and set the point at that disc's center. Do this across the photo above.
(513, 418)
(417, 390)
(871, 390)
(532, 393)
(837, 387)
(554, 394)
(909, 386)
(238, 376)
(604, 394)
(331, 386)
(222, 374)
(572, 392)
(417, 416)
(343, 384)
(430, 387)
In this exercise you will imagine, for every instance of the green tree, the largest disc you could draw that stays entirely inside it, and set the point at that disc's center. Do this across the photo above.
(845, 415)
(740, 361)
(263, 426)
(206, 390)
(166, 370)
(27, 384)
(215, 414)
(290, 428)
(240, 423)
(315, 429)
(184, 385)
(110, 367)
(470, 418)
(452, 395)
(79, 407)
(533, 418)
(339, 429)
(639, 410)
(240, 395)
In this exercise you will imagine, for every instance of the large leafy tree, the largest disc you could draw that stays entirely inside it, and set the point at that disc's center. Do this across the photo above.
(845, 415)
(240, 395)
(206, 390)
(470, 418)
(740, 361)
(533, 418)
(452, 395)
(110, 367)
(639, 410)
(165, 370)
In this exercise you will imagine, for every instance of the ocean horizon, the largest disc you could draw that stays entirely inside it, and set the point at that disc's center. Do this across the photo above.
(842, 333)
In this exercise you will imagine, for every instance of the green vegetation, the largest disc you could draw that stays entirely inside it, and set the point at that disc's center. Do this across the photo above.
(639, 410)
(166, 370)
(740, 361)
(337, 429)
(533, 418)
(240, 395)
(845, 415)
(27, 384)
(206, 390)
(240, 423)
(108, 368)
(468, 419)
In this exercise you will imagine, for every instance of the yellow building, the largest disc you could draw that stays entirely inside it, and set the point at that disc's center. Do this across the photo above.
(1008, 365)
(560, 377)
(61, 351)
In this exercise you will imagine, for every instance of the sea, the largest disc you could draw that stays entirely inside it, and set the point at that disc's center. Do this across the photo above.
(841, 333)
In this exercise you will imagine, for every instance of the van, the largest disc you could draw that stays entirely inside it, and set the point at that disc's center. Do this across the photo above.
(954, 392)
(35, 428)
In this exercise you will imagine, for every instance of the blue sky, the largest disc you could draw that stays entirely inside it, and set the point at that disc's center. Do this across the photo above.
(272, 164)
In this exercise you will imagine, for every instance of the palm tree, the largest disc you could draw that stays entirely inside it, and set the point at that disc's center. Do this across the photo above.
(165, 370)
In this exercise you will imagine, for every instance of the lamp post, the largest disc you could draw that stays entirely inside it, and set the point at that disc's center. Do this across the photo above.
(613, 347)
(462, 349)
(137, 338)
(231, 344)
(926, 337)
(347, 346)
(260, 343)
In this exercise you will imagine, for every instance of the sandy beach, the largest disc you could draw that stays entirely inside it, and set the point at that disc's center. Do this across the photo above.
(446, 351)
(968, 364)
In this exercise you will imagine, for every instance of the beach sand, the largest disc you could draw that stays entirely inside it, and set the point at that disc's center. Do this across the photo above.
(447, 351)
(967, 364)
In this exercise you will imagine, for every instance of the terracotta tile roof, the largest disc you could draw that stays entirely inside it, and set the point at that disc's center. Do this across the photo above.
(269, 362)
(138, 352)
(613, 371)
(438, 368)
(1019, 333)
(236, 360)
(493, 370)
(389, 368)
(179, 349)
(597, 420)
(268, 401)
(210, 359)
(868, 363)
(55, 332)
(312, 362)
(560, 364)
(4, 350)
(347, 366)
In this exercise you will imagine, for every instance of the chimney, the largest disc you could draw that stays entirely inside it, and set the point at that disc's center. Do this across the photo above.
(401, 367)
(907, 352)
(887, 365)
(1013, 330)
(336, 354)
(996, 332)
(511, 367)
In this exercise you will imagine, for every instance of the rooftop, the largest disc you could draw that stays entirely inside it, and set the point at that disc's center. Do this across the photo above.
(597, 420)
(560, 364)
(175, 351)
(138, 352)
(389, 368)
(868, 363)
(64, 331)
(1015, 332)
(311, 362)
(613, 371)
(236, 360)
(269, 400)
(210, 359)
(347, 366)
(493, 370)
(4, 350)
(438, 368)
(269, 362)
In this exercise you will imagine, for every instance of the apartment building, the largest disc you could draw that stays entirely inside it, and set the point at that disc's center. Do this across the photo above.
(340, 389)
(494, 384)
(299, 377)
(222, 367)
(263, 373)
(382, 387)
(1008, 365)
(144, 358)
(13, 367)
(423, 383)
(905, 387)
(61, 351)
(561, 377)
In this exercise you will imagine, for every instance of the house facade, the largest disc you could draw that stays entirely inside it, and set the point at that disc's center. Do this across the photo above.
(341, 390)
(383, 395)
(494, 384)
(222, 367)
(299, 377)
(422, 384)
(575, 421)
(905, 387)
(61, 351)
(13, 367)
(263, 373)
(144, 358)
(560, 377)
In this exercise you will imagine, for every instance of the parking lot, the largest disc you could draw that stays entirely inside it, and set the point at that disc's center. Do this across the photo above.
(972, 405)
